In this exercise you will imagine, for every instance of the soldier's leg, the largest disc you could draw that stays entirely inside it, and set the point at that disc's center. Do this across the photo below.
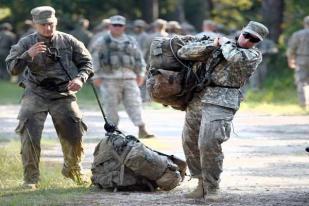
(190, 134)
(132, 102)
(111, 93)
(215, 129)
(31, 122)
(302, 84)
(70, 128)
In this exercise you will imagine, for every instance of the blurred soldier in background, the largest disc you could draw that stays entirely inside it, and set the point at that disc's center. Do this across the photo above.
(187, 29)
(173, 28)
(7, 39)
(120, 69)
(141, 36)
(28, 28)
(58, 65)
(209, 29)
(159, 30)
(298, 59)
(139, 27)
(81, 31)
(99, 32)
(268, 48)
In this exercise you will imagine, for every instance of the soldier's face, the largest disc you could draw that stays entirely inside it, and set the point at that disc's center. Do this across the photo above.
(46, 30)
(247, 41)
(117, 29)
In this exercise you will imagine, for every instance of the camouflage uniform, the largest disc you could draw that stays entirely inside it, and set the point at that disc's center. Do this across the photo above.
(81, 32)
(118, 61)
(46, 93)
(298, 49)
(7, 39)
(210, 113)
(268, 48)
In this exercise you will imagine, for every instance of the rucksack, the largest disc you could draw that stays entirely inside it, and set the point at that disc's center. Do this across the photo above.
(124, 163)
(171, 81)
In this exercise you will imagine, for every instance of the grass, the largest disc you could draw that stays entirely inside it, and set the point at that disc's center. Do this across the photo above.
(54, 189)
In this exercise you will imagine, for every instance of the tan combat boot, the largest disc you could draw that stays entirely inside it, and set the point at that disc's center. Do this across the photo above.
(77, 176)
(198, 192)
(29, 186)
(142, 133)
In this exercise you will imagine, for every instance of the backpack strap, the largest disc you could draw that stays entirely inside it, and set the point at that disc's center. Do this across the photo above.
(121, 158)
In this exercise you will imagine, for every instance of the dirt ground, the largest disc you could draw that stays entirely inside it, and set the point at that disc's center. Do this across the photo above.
(265, 159)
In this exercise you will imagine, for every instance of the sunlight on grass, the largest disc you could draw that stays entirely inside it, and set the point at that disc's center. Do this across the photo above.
(54, 189)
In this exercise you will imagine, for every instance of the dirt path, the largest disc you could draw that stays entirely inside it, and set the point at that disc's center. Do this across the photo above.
(265, 162)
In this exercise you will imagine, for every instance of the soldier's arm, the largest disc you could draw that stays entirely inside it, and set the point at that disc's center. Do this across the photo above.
(291, 52)
(196, 50)
(234, 54)
(18, 59)
(82, 59)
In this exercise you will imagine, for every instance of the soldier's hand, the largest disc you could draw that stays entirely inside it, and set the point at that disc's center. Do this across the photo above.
(222, 40)
(216, 41)
(75, 84)
(291, 63)
(97, 82)
(140, 80)
(36, 49)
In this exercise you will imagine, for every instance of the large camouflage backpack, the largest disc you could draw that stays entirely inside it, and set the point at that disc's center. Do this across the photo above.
(171, 81)
(124, 163)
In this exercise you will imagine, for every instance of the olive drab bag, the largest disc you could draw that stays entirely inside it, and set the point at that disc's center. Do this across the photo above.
(171, 81)
(124, 163)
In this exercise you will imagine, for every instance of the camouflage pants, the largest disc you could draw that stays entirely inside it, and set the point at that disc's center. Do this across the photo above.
(206, 127)
(66, 118)
(302, 84)
(115, 91)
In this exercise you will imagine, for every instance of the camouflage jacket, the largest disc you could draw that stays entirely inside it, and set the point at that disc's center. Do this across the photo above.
(45, 76)
(118, 57)
(298, 47)
(229, 75)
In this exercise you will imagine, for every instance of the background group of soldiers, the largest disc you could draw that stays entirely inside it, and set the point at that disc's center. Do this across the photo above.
(143, 33)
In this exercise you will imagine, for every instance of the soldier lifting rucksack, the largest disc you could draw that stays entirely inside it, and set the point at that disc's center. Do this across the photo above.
(171, 81)
(124, 163)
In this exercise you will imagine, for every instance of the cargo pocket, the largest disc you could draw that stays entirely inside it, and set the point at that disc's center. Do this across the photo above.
(80, 126)
(21, 126)
(225, 130)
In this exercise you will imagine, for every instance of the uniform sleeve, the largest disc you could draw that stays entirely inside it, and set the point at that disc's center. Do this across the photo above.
(234, 54)
(292, 46)
(82, 59)
(18, 59)
(196, 50)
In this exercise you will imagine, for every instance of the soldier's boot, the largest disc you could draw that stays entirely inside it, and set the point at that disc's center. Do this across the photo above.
(77, 176)
(142, 132)
(198, 192)
(213, 189)
(29, 185)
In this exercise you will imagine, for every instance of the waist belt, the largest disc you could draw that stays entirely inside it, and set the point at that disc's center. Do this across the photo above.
(50, 85)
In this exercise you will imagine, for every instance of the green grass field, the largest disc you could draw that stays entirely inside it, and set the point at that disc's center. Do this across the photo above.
(54, 189)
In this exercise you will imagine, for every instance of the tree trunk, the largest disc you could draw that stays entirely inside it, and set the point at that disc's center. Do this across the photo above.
(150, 10)
(272, 13)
